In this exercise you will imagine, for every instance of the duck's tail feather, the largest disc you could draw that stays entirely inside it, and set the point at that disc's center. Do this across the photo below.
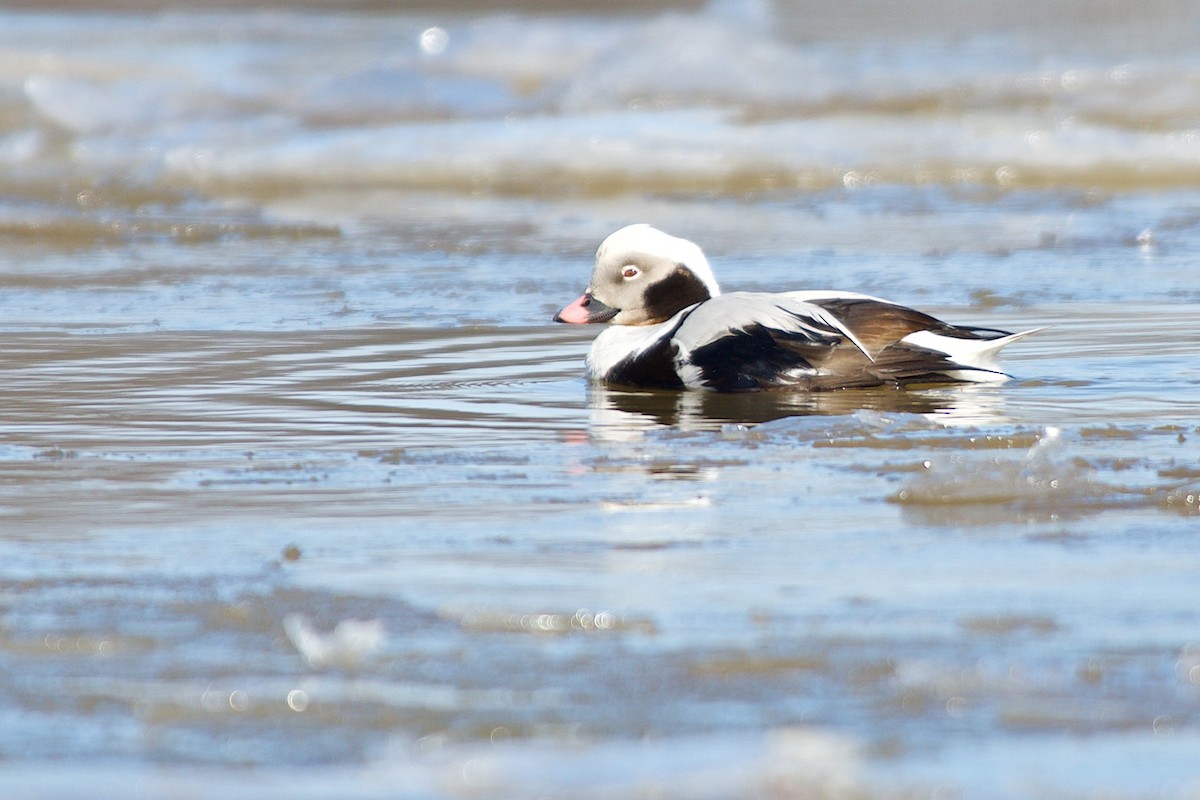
(974, 352)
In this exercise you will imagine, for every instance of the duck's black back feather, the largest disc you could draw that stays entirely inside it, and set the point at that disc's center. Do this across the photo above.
(761, 357)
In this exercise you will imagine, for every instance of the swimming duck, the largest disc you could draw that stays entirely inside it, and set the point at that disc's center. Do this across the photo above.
(670, 327)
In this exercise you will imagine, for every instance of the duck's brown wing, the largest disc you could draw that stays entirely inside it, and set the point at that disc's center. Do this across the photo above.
(750, 341)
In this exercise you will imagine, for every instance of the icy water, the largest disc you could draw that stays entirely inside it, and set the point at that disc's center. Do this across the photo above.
(302, 495)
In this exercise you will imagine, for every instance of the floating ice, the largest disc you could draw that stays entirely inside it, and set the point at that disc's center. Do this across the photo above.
(1038, 483)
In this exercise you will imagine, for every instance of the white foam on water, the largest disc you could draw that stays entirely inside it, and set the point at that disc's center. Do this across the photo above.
(664, 151)
(784, 763)
(672, 100)
(348, 644)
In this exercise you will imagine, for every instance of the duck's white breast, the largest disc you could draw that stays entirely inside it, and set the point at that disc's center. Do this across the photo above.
(618, 342)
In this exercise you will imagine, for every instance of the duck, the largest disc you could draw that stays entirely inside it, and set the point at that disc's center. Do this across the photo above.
(670, 327)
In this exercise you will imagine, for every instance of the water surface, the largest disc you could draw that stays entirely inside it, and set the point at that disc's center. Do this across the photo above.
(302, 494)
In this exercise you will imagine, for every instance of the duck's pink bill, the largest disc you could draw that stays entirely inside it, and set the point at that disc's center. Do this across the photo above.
(576, 313)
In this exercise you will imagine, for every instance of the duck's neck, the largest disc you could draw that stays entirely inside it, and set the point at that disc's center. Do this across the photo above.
(617, 343)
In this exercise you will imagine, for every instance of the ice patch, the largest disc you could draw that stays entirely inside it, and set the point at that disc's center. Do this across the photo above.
(1039, 481)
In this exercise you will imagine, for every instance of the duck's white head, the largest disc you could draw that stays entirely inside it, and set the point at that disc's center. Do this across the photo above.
(642, 277)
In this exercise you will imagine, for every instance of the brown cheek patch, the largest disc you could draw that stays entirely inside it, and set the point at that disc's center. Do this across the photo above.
(665, 298)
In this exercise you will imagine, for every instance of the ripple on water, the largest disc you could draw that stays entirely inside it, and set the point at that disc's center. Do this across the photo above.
(295, 389)
(259, 304)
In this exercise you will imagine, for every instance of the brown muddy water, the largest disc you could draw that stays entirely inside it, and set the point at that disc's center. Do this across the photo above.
(303, 495)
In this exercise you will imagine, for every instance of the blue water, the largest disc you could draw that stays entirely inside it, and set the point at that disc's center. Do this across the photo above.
(303, 495)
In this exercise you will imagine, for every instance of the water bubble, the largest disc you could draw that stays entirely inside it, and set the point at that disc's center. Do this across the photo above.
(853, 180)
(548, 622)
(434, 41)
(1120, 74)
(474, 773)
(238, 700)
(210, 700)
(1072, 80)
(297, 700)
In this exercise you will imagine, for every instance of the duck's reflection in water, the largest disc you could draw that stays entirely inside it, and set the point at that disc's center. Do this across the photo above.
(617, 413)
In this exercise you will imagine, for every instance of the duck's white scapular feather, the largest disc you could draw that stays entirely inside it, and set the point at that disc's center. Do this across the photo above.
(672, 328)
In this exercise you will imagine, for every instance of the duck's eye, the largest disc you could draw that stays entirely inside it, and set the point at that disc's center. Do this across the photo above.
(630, 272)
